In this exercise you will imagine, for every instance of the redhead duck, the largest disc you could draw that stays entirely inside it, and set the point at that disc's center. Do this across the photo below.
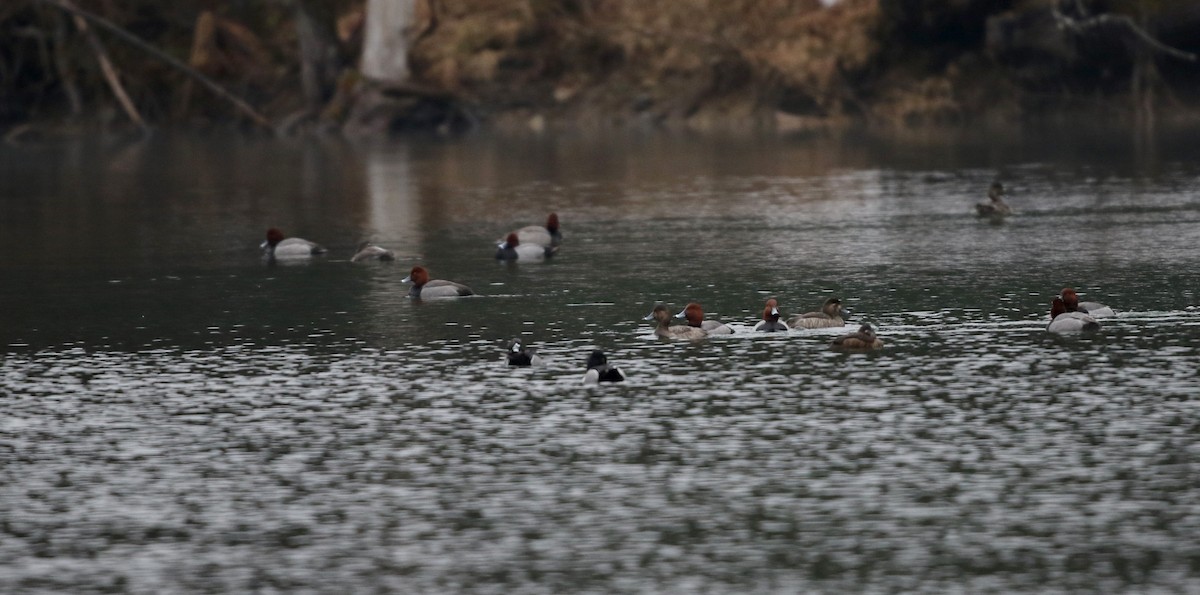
(424, 288)
(369, 251)
(522, 356)
(830, 316)
(666, 331)
(541, 236)
(599, 371)
(1062, 320)
(276, 246)
(512, 249)
(770, 318)
(1094, 309)
(695, 317)
(995, 207)
(862, 340)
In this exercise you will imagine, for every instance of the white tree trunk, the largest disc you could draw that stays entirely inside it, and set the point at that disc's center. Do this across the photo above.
(385, 44)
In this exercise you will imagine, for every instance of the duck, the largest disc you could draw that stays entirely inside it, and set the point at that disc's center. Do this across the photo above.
(832, 315)
(995, 207)
(276, 246)
(599, 371)
(694, 314)
(512, 249)
(368, 251)
(1094, 309)
(1062, 320)
(522, 356)
(423, 288)
(862, 340)
(549, 235)
(770, 319)
(664, 329)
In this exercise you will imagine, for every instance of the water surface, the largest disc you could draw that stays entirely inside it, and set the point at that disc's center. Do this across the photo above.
(179, 415)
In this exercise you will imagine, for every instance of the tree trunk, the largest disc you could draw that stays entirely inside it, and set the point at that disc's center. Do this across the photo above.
(385, 45)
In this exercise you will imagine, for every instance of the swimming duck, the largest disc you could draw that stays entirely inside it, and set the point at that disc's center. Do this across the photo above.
(541, 236)
(369, 251)
(276, 246)
(522, 356)
(830, 316)
(1064, 321)
(512, 249)
(862, 340)
(995, 207)
(599, 371)
(770, 318)
(424, 288)
(695, 317)
(1094, 309)
(666, 331)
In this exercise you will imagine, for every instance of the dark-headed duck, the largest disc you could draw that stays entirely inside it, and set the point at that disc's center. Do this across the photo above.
(599, 371)
(770, 318)
(694, 314)
(276, 246)
(831, 315)
(519, 355)
(1094, 309)
(513, 249)
(862, 340)
(995, 207)
(1062, 320)
(423, 288)
(664, 329)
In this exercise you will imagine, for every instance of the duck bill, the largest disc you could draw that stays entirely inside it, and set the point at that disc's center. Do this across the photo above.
(407, 279)
(682, 313)
(264, 244)
(649, 316)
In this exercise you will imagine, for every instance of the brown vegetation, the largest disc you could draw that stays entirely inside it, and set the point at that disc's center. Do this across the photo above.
(794, 64)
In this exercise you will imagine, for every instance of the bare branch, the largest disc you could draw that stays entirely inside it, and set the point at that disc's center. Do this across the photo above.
(141, 44)
(1125, 24)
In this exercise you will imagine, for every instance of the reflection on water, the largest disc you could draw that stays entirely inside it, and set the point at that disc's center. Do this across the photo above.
(180, 416)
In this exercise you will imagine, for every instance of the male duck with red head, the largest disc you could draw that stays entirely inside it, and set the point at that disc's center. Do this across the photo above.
(770, 318)
(278, 247)
(694, 314)
(1063, 320)
(424, 288)
(1094, 309)
(513, 249)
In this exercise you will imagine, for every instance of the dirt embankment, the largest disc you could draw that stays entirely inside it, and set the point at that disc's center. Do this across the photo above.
(701, 64)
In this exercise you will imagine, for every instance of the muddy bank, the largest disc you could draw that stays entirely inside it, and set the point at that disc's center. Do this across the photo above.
(695, 64)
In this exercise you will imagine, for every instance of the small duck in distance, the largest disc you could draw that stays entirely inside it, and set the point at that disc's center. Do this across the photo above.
(995, 207)
(512, 249)
(832, 315)
(862, 340)
(278, 247)
(770, 319)
(368, 251)
(694, 314)
(664, 330)
(519, 355)
(1094, 309)
(424, 288)
(537, 235)
(1063, 321)
(599, 371)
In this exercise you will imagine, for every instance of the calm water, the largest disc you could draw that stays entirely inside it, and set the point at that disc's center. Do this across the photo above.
(178, 416)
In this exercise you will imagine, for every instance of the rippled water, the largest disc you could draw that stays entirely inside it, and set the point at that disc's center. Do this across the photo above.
(179, 416)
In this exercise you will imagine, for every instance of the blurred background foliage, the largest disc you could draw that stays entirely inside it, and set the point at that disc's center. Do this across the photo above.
(696, 63)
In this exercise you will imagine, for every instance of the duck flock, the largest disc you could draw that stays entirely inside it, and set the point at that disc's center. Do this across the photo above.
(538, 242)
